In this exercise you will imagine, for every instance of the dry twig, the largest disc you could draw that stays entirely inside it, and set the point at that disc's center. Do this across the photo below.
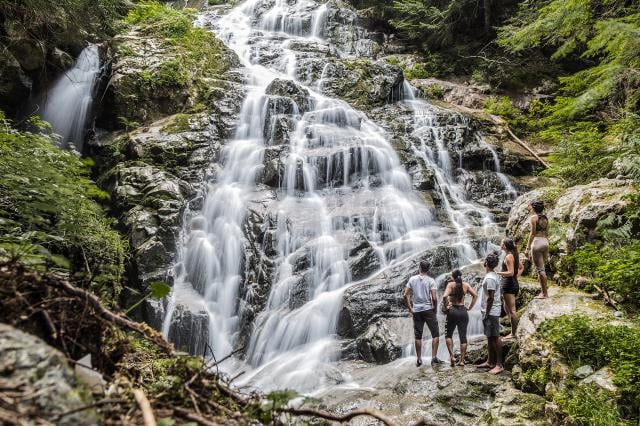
(147, 413)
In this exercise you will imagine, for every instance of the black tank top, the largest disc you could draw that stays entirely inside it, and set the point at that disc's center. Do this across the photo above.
(510, 280)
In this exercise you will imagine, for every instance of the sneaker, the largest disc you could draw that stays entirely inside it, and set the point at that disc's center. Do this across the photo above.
(436, 360)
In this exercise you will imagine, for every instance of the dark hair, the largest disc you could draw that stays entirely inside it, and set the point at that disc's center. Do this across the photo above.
(537, 206)
(424, 266)
(510, 245)
(458, 291)
(492, 260)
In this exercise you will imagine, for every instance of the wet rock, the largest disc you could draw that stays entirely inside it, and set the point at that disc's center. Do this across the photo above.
(362, 83)
(31, 367)
(383, 341)
(365, 262)
(292, 90)
(188, 322)
(380, 296)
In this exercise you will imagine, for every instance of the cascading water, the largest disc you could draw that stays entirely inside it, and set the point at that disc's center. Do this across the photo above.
(68, 103)
(341, 187)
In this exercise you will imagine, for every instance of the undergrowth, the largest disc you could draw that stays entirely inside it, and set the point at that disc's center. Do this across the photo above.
(50, 211)
(599, 343)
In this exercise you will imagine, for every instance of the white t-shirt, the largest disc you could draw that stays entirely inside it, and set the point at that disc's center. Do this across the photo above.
(421, 286)
(491, 282)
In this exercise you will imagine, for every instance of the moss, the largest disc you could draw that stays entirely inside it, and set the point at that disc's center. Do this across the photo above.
(598, 343)
(177, 124)
(185, 61)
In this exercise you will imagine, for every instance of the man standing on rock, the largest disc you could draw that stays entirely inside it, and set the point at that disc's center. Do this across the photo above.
(490, 308)
(421, 299)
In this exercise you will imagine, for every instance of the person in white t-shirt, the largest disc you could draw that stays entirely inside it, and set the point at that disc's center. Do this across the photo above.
(490, 308)
(420, 296)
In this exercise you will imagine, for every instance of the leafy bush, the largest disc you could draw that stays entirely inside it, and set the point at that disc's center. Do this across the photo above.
(615, 268)
(587, 405)
(582, 340)
(49, 213)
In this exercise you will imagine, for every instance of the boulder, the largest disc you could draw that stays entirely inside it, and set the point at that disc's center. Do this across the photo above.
(461, 94)
(292, 90)
(513, 407)
(362, 83)
(45, 384)
(574, 212)
(383, 341)
(380, 296)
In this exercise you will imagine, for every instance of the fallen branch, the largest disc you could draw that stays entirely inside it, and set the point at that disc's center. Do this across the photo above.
(371, 412)
(525, 146)
(607, 298)
(147, 413)
(95, 304)
(188, 415)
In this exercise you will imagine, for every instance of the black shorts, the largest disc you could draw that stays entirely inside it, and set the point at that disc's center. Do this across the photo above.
(419, 318)
(510, 287)
(491, 326)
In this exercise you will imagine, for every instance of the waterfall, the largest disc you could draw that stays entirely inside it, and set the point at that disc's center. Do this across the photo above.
(341, 187)
(68, 103)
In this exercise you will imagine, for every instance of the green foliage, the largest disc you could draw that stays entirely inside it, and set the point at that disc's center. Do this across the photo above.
(439, 22)
(612, 267)
(60, 21)
(49, 213)
(582, 340)
(177, 124)
(587, 405)
(434, 91)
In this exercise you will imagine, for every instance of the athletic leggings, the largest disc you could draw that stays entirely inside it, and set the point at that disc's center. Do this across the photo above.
(457, 317)
(540, 253)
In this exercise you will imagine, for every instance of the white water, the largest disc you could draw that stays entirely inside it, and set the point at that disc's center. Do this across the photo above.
(68, 103)
(342, 181)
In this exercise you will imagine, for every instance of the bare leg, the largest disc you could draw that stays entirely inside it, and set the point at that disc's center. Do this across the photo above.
(510, 308)
(419, 352)
(498, 347)
(449, 342)
(543, 284)
(434, 346)
(463, 353)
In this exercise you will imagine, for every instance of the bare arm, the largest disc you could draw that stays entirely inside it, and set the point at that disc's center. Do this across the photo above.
(474, 296)
(434, 298)
(532, 234)
(510, 263)
(407, 299)
(445, 296)
(520, 268)
(490, 297)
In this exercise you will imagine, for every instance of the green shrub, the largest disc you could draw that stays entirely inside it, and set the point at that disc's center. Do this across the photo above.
(581, 340)
(434, 91)
(49, 213)
(587, 405)
(612, 267)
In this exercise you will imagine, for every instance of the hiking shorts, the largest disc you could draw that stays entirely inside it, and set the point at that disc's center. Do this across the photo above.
(428, 317)
(491, 326)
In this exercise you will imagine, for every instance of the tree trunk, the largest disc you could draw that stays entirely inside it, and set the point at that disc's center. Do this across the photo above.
(487, 16)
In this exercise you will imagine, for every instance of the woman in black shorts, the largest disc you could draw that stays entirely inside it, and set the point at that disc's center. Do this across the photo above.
(457, 316)
(511, 270)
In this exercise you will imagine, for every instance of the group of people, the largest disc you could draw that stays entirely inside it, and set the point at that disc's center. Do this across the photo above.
(421, 297)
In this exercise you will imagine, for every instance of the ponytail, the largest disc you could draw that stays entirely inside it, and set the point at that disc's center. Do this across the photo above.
(458, 292)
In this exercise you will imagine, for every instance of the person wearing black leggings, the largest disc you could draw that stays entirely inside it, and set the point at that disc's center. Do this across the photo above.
(457, 315)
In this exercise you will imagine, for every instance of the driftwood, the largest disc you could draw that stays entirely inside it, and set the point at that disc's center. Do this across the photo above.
(370, 412)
